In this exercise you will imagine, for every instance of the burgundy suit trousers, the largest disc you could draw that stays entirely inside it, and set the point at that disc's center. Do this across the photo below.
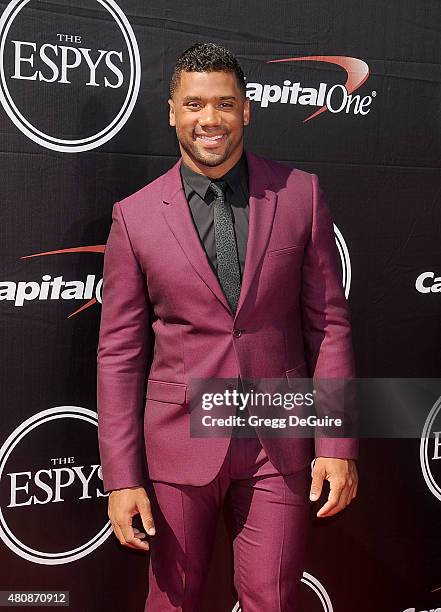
(271, 516)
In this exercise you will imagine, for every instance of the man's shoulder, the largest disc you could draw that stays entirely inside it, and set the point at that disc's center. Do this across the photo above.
(150, 193)
(281, 173)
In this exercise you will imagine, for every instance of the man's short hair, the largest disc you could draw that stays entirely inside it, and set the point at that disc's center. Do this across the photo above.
(207, 57)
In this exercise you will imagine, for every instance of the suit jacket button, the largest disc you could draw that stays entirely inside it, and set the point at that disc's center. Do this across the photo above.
(237, 333)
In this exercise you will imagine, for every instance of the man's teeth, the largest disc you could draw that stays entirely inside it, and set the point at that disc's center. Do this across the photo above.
(210, 138)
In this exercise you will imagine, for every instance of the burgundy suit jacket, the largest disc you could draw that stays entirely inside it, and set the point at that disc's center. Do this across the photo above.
(165, 320)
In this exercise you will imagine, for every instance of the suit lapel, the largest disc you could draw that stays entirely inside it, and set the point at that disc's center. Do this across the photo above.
(262, 204)
(178, 216)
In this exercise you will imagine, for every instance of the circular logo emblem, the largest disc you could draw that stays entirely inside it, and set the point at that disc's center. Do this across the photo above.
(316, 587)
(319, 590)
(345, 260)
(61, 85)
(430, 450)
(46, 471)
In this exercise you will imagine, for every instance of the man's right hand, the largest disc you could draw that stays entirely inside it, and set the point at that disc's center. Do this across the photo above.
(124, 504)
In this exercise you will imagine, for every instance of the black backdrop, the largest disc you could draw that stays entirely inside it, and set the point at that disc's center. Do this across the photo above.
(59, 179)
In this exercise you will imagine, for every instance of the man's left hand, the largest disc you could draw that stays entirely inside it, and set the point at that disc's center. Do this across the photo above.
(343, 479)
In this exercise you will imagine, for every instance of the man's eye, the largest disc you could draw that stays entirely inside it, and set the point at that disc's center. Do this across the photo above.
(194, 105)
(227, 104)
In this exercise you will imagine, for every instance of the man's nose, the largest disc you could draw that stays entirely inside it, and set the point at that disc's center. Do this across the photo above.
(209, 116)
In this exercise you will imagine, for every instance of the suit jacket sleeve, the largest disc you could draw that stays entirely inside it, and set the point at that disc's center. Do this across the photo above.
(124, 340)
(326, 319)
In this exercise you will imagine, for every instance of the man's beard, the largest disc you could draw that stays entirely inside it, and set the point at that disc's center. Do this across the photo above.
(207, 159)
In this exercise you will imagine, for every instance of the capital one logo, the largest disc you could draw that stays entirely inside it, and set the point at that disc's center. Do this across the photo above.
(56, 288)
(316, 586)
(427, 282)
(52, 506)
(61, 85)
(335, 98)
(430, 450)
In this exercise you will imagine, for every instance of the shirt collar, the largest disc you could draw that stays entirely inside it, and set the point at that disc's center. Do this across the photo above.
(199, 183)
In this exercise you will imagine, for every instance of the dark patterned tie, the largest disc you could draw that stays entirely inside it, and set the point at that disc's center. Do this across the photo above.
(228, 267)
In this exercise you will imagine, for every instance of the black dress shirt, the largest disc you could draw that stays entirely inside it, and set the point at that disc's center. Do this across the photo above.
(200, 198)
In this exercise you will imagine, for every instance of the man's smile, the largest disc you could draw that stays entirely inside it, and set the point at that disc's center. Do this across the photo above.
(211, 141)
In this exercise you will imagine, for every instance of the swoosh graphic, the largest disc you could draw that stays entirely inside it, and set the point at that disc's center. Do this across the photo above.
(97, 248)
(356, 69)
(89, 303)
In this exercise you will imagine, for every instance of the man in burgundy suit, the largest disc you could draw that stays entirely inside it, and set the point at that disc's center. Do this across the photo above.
(223, 267)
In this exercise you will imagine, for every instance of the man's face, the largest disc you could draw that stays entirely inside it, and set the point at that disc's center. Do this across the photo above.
(209, 112)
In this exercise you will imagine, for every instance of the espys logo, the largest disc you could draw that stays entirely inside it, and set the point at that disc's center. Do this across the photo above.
(430, 450)
(426, 610)
(61, 493)
(56, 288)
(57, 55)
(427, 282)
(316, 586)
(344, 259)
(335, 98)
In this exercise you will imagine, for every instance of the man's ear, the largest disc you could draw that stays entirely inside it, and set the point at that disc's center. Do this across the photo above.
(171, 113)
(246, 111)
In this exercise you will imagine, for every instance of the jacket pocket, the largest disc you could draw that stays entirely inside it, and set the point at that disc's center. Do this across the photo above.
(298, 378)
(170, 393)
(300, 371)
(295, 248)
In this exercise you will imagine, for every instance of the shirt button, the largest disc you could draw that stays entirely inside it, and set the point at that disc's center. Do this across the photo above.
(237, 333)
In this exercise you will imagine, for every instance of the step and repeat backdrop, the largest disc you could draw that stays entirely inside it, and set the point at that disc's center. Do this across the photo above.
(349, 90)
